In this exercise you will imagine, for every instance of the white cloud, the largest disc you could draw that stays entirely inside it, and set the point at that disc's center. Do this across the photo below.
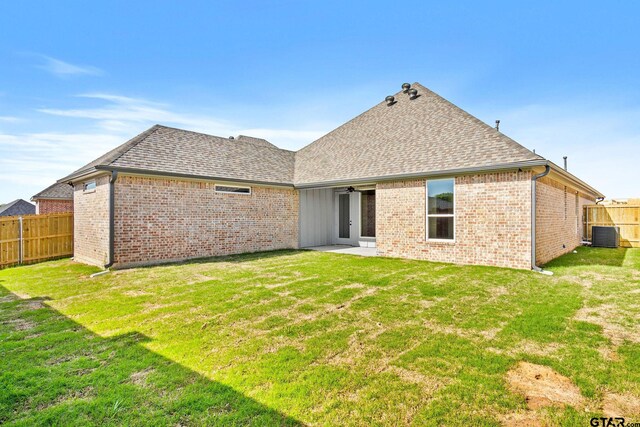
(32, 161)
(61, 68)
(9, 119)
(123, 114)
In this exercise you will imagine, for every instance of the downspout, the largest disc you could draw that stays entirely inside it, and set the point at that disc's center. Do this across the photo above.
(535, 178)
(112, 192)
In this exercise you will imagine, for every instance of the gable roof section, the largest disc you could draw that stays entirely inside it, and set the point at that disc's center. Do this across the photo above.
(169, 151)
(59, 190)
(17, 207)
(427, 134)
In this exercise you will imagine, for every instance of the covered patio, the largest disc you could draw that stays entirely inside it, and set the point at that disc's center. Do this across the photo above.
(339, 218)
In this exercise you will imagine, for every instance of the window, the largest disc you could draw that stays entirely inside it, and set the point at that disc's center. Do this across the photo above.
(368, 213)
(440, 209)
(89, 187)
(232, 189)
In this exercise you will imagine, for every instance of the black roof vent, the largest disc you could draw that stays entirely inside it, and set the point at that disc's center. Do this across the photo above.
(390, 100)
(231, 137)
(406, 87)
(413, 93)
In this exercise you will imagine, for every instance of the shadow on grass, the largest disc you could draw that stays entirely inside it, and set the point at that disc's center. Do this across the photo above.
(54, 371)
(588, 256)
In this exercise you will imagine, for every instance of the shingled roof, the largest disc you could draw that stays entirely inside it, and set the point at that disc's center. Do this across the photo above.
(165, 150)
(423, 135)
(17, 207)
(60, 191)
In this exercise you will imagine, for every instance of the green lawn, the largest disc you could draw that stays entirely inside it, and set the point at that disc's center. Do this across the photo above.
(297, 337)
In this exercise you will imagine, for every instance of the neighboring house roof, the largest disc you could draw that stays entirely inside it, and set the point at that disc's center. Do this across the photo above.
(425, 136)
(17, 207)
(59, 191)
(166, 150)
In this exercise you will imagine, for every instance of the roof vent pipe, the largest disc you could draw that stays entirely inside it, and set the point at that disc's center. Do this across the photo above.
(390, 100)
(231, 137)
(406, 87)
(565, 162)
(498, 125)
(413, 93)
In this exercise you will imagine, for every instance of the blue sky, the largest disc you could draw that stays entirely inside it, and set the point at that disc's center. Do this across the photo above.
(78, 78)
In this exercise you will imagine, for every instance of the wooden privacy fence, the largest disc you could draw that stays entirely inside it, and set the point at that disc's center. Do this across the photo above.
(31, 238)
(624, 216)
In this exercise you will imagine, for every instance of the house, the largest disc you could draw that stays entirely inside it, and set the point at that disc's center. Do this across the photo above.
(57, 198)
(17, 207)
(414, 176)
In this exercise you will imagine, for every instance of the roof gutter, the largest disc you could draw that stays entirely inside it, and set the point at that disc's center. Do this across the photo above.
(449, 172)
(191, 176)
(112, 193)
(575, 180)
(534, 179)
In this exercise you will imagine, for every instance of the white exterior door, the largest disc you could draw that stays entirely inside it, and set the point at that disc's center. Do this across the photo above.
(346, 218)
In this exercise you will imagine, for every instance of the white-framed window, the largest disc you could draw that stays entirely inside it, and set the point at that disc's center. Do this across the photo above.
(232, 189)
(89, 187)
(441, 209)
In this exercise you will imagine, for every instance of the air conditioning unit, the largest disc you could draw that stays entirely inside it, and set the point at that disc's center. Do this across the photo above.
(605, 237)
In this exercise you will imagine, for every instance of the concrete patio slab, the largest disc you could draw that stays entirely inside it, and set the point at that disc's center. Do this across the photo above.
(345, 249)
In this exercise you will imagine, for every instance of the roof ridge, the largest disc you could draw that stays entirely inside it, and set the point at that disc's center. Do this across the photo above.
(345, 123)
(42, 191)
(7, 206)
(477, 120)
(138, 139)
(273, 146)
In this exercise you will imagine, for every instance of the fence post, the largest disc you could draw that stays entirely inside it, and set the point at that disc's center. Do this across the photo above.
(20, 242)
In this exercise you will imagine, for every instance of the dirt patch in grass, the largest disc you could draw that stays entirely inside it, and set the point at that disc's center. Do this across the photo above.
(602, 316)
(150, 307)
(608, 353)
(429, 384)
(522, 419)
(135, 293)
(499, 291)
(33, 305)
(21, 324)
(620, 405)
(541, 386)
(474, 335)
(73, 395)
(140, 378)
(21, 295)
(532, 348)
(8, 298)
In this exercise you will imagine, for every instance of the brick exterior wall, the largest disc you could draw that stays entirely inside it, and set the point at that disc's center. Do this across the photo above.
(559, 211)
(49, 206)
(91, 223)
(492, 225)
(158, 219)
